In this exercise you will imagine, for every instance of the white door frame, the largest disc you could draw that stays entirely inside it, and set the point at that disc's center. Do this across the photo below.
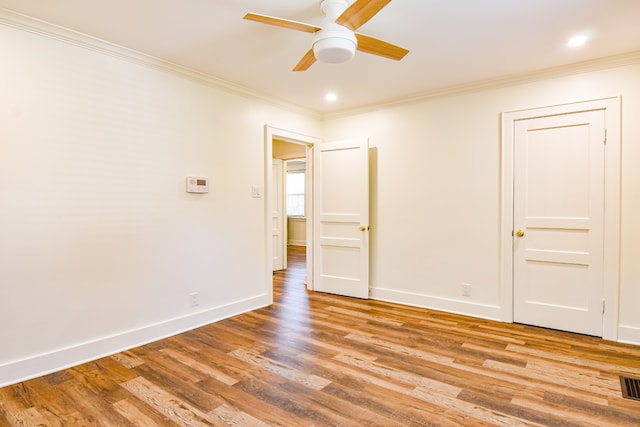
(611, 263)
(271, 133)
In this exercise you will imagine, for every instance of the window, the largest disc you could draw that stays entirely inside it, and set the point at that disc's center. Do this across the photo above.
(295, 193)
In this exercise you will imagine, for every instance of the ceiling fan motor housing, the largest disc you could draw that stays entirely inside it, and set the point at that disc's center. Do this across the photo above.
(334, 44)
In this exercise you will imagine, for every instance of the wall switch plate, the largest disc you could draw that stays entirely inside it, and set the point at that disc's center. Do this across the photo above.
(256, 191)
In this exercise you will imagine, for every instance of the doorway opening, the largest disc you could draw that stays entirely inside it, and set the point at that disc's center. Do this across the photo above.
(294, 196)
(289, 151)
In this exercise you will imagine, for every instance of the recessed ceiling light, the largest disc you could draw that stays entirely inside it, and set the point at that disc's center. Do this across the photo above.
(578, 40)
(331, 97)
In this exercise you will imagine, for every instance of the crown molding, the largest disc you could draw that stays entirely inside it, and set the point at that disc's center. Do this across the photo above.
(36, 26)
(609, 62)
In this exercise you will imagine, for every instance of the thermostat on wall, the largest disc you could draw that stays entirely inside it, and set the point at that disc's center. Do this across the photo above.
(197, 185)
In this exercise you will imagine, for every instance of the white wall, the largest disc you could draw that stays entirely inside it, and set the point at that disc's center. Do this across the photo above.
(100, 245)
(436, 190)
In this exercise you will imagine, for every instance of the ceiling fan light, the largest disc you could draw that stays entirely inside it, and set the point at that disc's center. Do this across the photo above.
(334, 44)
(334, 50)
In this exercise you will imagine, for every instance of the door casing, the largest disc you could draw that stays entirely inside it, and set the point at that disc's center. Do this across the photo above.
(611, 263)
(272, 133)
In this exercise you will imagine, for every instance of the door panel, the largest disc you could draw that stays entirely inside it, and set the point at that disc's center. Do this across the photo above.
(277, 216)
(341, 218)
(559, 208)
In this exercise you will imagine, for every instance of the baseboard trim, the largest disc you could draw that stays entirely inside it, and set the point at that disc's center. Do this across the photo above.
(629, 334)
(483, 311)
(46, 363)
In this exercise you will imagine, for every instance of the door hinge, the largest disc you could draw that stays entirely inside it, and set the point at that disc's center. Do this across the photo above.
(602, 306)
(605, 135)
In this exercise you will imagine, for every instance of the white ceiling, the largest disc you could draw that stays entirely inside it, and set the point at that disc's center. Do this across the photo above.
(452, 42)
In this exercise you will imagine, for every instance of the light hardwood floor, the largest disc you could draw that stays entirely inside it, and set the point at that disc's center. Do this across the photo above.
(322, 360)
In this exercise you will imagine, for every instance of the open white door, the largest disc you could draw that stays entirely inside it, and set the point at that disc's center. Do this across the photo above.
(341, 218)
(278, 230)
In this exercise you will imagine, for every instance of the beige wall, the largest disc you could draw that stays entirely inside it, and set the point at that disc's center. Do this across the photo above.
(297, 231)
(436, 190)
(100, 245)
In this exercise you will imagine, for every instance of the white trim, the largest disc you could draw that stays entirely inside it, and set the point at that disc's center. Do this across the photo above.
(629, 334)
(42, 364)
(309, 182)
(449, 305)
(611, 265)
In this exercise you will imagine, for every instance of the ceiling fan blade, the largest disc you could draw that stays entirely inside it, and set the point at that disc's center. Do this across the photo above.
(307, 61)
(360, 12)
(379, 47)
(279, 22)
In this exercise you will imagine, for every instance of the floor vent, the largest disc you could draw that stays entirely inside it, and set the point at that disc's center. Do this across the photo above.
(630, 388)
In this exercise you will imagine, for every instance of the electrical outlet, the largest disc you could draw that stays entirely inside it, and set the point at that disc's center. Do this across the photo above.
(466, 290)
(194, 299)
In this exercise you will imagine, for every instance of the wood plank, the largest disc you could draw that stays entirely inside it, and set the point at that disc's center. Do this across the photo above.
(170, 382)
(200, 367)
(169, 405)
(245, 399)
(89, 408)
(135, 411)
(311, 381)
(230, 415)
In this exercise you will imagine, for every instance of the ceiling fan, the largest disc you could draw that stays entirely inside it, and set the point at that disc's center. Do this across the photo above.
(336, 41)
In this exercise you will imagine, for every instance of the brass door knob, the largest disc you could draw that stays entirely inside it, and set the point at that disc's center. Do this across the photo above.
(520, 233)
(363, 228)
